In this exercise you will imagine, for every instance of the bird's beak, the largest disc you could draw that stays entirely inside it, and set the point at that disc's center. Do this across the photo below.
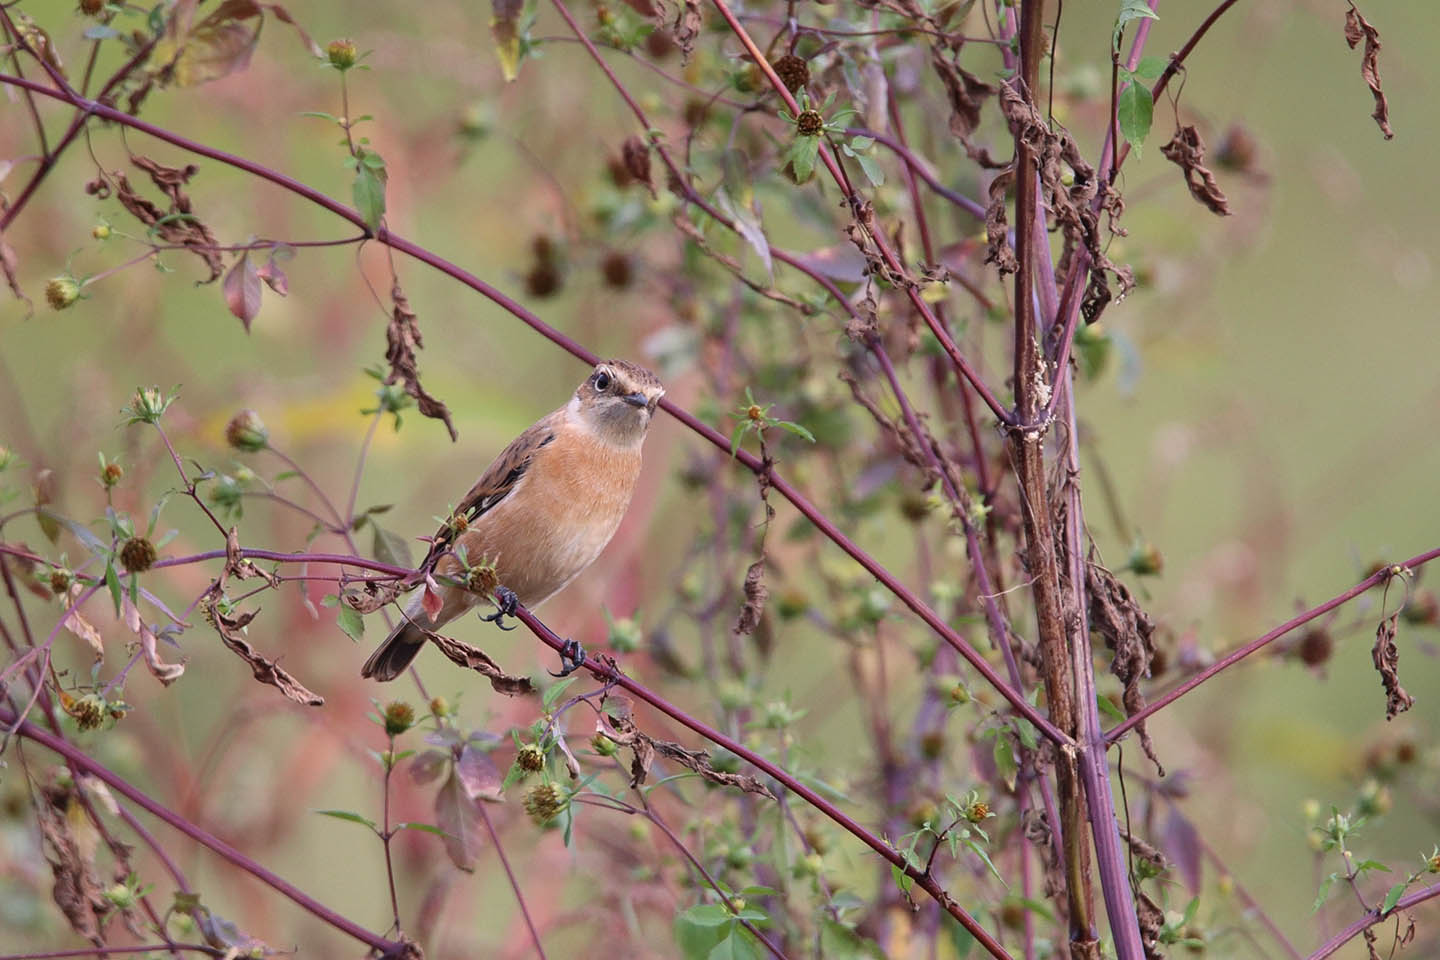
(636, 399)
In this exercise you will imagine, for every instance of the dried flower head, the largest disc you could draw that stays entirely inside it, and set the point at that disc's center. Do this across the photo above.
(246, 432)
(137, 554)
(544, 802)
(88, 711)
(530, 758)
(793, 71)
(809, 123)
(60, 580)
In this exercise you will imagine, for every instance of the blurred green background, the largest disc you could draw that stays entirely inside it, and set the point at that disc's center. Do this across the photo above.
(1269, 420)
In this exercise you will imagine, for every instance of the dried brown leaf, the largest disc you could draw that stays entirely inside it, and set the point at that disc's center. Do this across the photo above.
(373, 596)
(242, 290)
(699, 762)
(81, 627)
(178, 224)
(240, 567)
(456, 813)
(635, 154)
(69, 841)
(35, 37)
(1187, 151)
(756, 593)
(965, 91)
(688, 24)
(403, 339)
(166, 673)
(1386, 656)
(1129, 632)
(473, 658)
(1152, 921)
(1356, 29)
(273, 276)
(266, 671)
(997, 227)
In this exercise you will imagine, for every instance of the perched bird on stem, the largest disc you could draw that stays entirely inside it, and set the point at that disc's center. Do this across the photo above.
(539, 515)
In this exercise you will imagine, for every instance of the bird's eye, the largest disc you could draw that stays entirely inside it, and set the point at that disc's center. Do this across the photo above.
(602, 381)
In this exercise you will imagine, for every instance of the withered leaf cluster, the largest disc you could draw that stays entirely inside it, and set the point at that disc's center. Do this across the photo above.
(1129, 632)
(1187, 151)
(1386, 656)
(473, 658)
(178, 224)
(1077, 207)
(644, 747)
(1357, 28)
(402, 338)
(756, 594)
(266, 671)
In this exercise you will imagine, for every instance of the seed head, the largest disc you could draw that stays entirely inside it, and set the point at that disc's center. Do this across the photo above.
(91, 7)
(809, 123)
(977, 810)
(399, 717)
(62, 291)
(342, 54)
(616, 270)
(246, 432)
(1315, 647)
(531, 758)
(89, 712)
(60, 580)
(544, 802)
(793, 71)
(138, 554)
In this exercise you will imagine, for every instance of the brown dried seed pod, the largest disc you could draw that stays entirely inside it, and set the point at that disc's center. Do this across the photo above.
(809, 123)
(793, 71)
(138, 554)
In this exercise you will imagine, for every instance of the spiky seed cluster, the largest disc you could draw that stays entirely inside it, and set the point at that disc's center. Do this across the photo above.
(482, 579)
(809, 123)
(793, 71)
(399, 717)
(246, 432)
(544, 802)
(60, 580)
(89, 712)
(530, 758)
(62, 291)
(342, 54)
(138, 554)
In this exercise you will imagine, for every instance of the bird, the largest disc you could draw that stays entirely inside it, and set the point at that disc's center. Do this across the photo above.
(541, 512)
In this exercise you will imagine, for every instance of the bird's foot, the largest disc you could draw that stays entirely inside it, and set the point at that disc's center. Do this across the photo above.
(572, 658)
(505, 604)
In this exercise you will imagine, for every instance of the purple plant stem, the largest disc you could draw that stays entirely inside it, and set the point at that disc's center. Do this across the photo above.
(510, 874)
(1374, 580)
(105, 950)
(80, 759)
(1372, 917)
(918, 168)
(603, 672)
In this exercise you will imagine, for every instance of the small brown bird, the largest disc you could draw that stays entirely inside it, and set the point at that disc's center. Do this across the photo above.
(543, 511)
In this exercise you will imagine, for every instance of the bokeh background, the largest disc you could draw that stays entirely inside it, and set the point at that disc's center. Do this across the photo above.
(1267, 420)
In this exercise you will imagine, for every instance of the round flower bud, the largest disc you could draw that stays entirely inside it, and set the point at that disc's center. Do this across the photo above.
(603, 745)
(62, 291)
(399, 717)
(121, 896)
(792, 71)
(342, 54)
(977, 810)
(60, 580)
(111, 475)
(544, 802)
(530, 758)
(246, 432)
(101, 231)
(809, 123)
(440, 707)
(138, 554)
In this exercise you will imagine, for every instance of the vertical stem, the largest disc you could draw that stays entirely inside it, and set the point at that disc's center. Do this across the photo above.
(1031, 397)
(510, 874)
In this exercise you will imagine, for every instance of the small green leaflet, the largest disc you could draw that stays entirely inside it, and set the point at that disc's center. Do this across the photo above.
(552, 693)
(348, 815)
(1130, 10)
(370, 178)
(1392, 898)
(350, 622)
(1135, 111)
(803, 153)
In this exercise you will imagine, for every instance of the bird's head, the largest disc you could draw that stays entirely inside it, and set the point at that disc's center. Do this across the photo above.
(617, 401)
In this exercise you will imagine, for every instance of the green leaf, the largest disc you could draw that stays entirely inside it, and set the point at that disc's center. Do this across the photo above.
(738, 945)
(861, 144)
(1130, 10)
(1107, 707)
(1135, 112)
(1364, 865)
(552, 693)
(320, 115)
(979, 851)
(796, 429)
(1151, 67)
(348, 815)
(737, 436)
(390, 547)
(350, 622)
(369, 191)
(873, 171)
(1005, 763)
(1324, 892)
(1392, 898)
(803, 153)
(416, 825)
(113, 582)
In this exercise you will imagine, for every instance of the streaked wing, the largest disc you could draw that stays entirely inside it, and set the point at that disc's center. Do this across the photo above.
(498, 481)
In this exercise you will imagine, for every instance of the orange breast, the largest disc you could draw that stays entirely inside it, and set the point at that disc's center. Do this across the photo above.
(558, 519)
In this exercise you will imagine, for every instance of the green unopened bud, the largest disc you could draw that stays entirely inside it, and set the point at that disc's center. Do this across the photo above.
(62, 291)
(625, 635)
(342, 54)
(111, 474)
(399, 717)
(147, 405)
(603, 745)
(121, 896)
(1146, 560)
(101, 231)
(246, 431)
(440, 707)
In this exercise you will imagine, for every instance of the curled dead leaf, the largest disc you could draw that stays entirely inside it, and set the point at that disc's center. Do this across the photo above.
(756, 593)
(1386, 656)
(178, 224)
(266, 671)
(473, 658)
(1357, 28)
(403, 339)
(1187, 151)
(81, 627)
(1129, 632)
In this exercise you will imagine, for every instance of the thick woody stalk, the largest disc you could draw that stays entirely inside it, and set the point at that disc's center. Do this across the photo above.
(1031, 396)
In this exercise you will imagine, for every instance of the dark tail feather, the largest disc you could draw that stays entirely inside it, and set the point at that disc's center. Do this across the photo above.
(395, 654)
